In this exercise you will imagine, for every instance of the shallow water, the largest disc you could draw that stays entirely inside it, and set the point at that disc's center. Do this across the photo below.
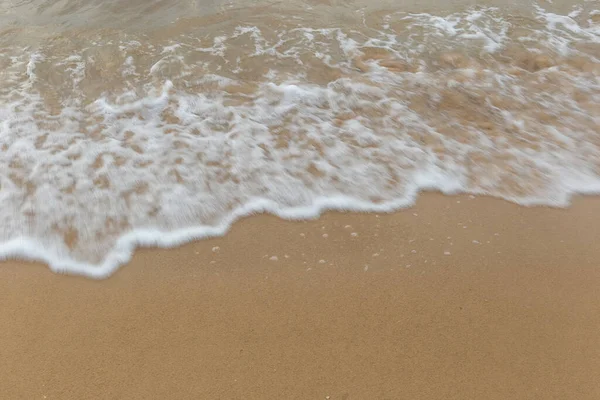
(155, 123)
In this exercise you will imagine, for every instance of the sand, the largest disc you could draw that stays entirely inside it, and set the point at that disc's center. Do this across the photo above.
(456, 298)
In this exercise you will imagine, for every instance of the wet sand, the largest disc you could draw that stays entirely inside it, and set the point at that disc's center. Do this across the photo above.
(512, 312)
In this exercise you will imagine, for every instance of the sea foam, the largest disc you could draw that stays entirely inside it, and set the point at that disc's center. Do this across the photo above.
(135, 141)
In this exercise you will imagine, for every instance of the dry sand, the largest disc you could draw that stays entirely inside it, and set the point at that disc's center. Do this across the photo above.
(512, 312)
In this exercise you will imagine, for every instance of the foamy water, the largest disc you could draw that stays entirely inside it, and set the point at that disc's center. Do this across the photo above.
(118, 137)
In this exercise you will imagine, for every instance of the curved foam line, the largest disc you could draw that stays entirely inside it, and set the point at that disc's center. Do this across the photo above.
(29, 250)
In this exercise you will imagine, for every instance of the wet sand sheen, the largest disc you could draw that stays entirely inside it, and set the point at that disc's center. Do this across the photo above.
(517, 317)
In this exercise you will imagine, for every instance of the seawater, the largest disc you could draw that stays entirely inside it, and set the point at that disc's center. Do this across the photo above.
(126, 124)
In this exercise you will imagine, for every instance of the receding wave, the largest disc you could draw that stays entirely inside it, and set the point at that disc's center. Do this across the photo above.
(112, 138)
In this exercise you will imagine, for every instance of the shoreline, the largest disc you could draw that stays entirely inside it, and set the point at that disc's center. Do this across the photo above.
(306, 309)
(132, 242)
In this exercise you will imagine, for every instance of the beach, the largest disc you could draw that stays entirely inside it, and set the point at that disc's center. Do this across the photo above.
(305, 199)
(458, 297)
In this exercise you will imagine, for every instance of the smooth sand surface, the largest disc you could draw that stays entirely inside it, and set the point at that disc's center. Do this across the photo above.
(512, 312)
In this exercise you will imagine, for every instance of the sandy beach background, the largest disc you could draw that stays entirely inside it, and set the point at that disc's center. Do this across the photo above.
(456, 298)
(150, 121)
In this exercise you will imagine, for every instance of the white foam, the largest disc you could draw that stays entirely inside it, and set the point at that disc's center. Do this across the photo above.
(177, 146)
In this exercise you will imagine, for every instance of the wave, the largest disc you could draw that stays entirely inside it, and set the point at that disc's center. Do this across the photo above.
(114, 139)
